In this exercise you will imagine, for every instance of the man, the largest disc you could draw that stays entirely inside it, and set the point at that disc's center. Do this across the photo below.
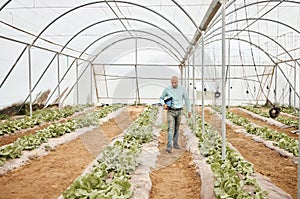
(177, 94)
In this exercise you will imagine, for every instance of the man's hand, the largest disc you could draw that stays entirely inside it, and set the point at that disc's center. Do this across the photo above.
(166, 107)
(189, 114)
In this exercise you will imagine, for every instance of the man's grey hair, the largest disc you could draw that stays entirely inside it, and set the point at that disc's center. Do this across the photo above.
(174, 78)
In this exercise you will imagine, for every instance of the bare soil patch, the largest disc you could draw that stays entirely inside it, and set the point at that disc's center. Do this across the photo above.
(287, 131)
(280, 170)
(48, 176)
(175, 175)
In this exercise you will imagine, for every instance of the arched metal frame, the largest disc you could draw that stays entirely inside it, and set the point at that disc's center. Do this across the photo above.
(5, 4)
(255, 3)
(136, 37)
(269, 20)
(87, 49)
(256, 19)
(256, 46)
(264, 35)
(217, 19)
(115, 1)
(273, 40)
(129, 19)
(87, 4)
(251, 4)
(108, 46)
(61, 51)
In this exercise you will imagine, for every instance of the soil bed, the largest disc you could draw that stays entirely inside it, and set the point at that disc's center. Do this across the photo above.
(280, 170)
(10, 138)
(175, 175)
(49, 176)
(287, 131)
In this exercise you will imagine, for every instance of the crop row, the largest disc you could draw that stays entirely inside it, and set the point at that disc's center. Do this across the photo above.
(233, 174)
(30, 142)
(279, 139)
(110, 176)
(38, 117)
(284, 120)
(289, 110)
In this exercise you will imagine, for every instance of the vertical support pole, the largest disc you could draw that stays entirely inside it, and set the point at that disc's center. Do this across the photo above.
(298, 142)
(228, 69)
(298, 194)
(58, 80)
(181, 74)
(295, 82)
(29, 79)
(275, 92)
(77, 86)
(188, 82)
(95, 84)
(202, 82)
(105, 78)
(185, 77)
(283, 96)
(91, 82)
(136, 77)
(223, 84)
(194, 98)
(290, 96)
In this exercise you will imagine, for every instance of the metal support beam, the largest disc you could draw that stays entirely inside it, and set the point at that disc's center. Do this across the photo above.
(136, 76)
(194, 97)
(181, 75)
(58, 81)
(77, 86)
(95, 82)
(29, 79)
(228, 75)
(275, 87)
(91, 83)
(184, 73)
(211, 12)
(295, 83)
(223, 84)
(83, 71)
(188, 86)
(105, 78)
(13, 66)
(176, 65)
(298, 143)
(202, 86)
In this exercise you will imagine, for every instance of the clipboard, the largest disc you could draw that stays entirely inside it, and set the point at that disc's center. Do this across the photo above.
(168, 102)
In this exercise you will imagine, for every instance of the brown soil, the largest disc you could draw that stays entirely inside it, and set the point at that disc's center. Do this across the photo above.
(281, 171)
(287, 131)
(265, 109)
(175, 175)
(7, 139)
(49, 176)
(115, 126)
(10, 138)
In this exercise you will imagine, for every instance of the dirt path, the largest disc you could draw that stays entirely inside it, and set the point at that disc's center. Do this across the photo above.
(48, 176)
(281, 171)
(175, 175)
(287, 131)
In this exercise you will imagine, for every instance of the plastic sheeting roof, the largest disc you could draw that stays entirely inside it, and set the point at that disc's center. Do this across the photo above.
(260, 33)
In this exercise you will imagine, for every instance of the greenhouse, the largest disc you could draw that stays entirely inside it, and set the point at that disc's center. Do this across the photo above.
(85, 88)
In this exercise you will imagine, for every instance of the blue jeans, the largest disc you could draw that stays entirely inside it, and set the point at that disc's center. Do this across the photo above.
(174, 119)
